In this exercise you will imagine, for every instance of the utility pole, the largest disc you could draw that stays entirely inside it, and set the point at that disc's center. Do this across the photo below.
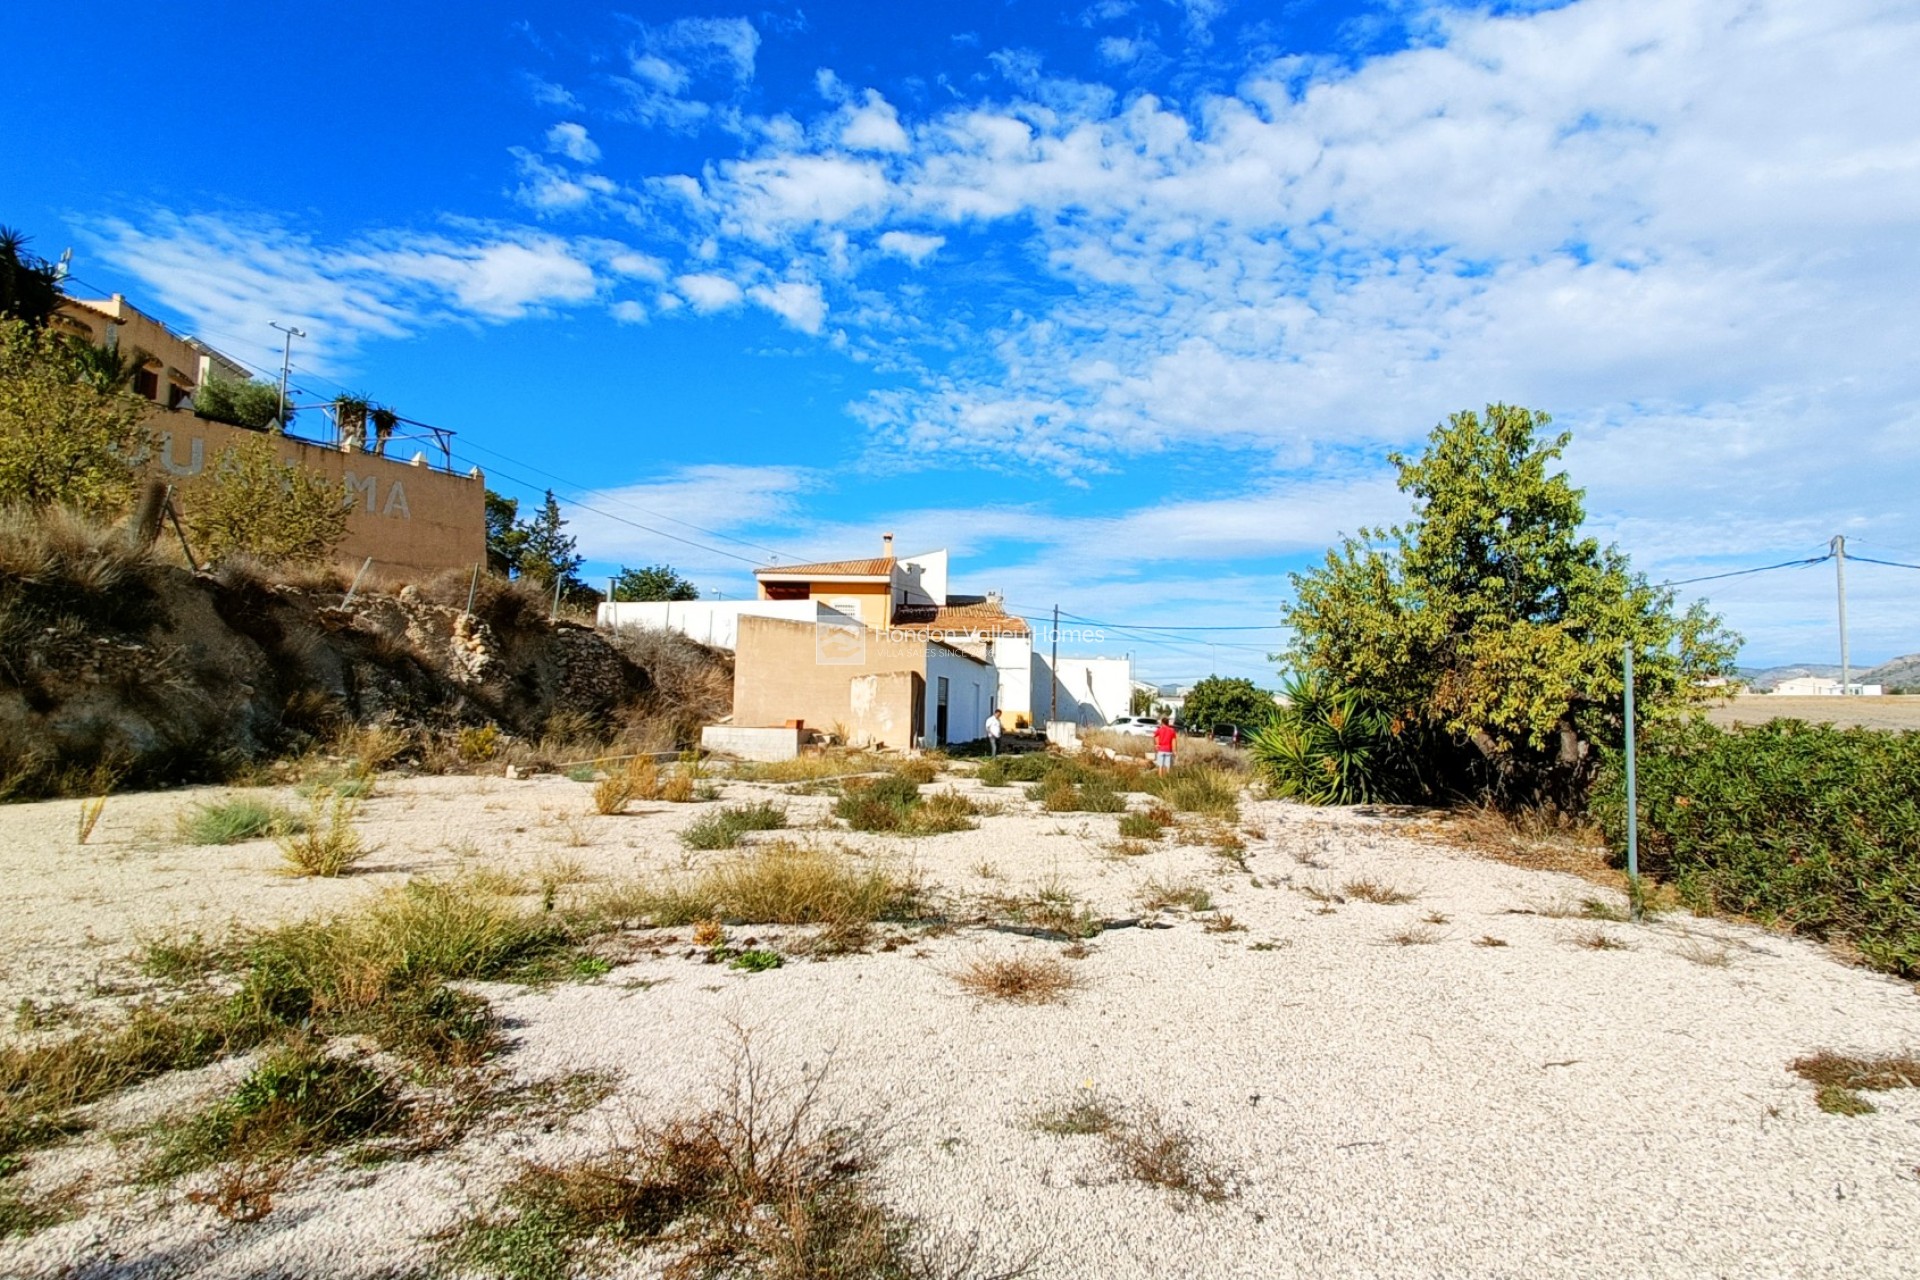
(1839, 548)
(286, 363)
(1053, 670)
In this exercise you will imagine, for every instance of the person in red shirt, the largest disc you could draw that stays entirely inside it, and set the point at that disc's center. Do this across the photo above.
(1163, 739)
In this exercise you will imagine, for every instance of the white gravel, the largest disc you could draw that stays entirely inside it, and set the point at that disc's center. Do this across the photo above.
(1450, 1109)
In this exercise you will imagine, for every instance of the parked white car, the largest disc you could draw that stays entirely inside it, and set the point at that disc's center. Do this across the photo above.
(1142, 725)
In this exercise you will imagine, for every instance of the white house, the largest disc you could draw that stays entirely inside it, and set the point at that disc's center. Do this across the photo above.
(1823, 687)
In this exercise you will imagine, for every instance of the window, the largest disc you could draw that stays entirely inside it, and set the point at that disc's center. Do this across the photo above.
(146, 382)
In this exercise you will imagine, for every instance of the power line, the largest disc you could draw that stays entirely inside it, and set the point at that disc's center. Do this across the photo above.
(1891, 564)
(636, 524)
(658, 515)
(1740, 573)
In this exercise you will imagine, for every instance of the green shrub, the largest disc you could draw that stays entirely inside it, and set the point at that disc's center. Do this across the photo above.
(723, 828)
(893, 803)
(1807, 827)
(1002, 770)
(1332, 745)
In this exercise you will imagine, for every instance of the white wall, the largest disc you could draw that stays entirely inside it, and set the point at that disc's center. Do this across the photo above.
(921, 579)
(970, 684)
(1092, 691)
(713, 622)
(1013, 660)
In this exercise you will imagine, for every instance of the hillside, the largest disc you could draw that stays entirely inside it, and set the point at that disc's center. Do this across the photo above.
(110, 659)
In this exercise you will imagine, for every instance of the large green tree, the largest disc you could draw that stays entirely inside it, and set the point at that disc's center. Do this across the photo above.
(1493, 624)
(1218, 701)
(656, 582)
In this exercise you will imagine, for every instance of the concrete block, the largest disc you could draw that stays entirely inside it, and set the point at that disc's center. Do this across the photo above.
(747, 743)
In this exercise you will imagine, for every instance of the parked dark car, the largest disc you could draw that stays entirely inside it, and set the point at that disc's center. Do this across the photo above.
(1229, 733)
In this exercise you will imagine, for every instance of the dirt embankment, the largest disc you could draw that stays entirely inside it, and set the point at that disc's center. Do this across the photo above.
(156, 674)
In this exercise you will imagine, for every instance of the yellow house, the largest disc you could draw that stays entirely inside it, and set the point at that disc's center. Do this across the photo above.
(173, 367)
(406, 516)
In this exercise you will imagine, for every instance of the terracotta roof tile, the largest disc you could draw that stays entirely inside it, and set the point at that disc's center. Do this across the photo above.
(958, 619)
(877, 567)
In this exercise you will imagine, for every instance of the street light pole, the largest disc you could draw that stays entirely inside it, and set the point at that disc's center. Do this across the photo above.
(286, 363)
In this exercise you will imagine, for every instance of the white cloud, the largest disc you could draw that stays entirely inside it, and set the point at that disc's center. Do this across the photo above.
(1119, 50)
(905, 244)
(874, 126)
(571, 141)
(627, 311)
(799, 303)
(232, 277)
(708, 292)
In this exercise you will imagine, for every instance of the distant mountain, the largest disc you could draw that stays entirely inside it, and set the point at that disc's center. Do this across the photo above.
(1899, 673)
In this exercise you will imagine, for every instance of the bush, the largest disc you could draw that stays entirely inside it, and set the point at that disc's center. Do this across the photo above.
(62, 441)
(893, 803)
(723, 828)
(240, 403)
(256, 505)
(1332, 745)
(1002, 770)
(1807, 827)
(326, 844)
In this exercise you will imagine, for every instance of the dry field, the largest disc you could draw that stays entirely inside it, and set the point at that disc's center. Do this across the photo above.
(1892, 711)
(1297, 1043)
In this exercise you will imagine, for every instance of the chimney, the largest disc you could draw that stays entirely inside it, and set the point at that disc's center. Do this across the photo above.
(886, 545)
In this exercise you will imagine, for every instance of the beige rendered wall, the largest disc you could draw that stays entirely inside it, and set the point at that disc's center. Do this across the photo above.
(871, 602)
(404, 516)
(777, 676)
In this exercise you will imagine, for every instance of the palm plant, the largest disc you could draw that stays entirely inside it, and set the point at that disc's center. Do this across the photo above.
(384, 422)
(350, 415)
(1331, 745)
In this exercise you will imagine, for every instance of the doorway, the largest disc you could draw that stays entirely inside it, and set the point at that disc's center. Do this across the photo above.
(940, 714)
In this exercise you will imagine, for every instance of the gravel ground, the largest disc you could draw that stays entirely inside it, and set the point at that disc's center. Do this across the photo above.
(1447, 1108)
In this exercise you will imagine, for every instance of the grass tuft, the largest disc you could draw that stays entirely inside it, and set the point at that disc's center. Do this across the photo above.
(1199, 788)
(1087, 1114)
(326, 844)
(723, 827)
(1018, 979)
(1184, 895)
(298, 1101)
(1366, 889)
(779, 883)
(239, 818)
(1156, 1151)
(1416, 935)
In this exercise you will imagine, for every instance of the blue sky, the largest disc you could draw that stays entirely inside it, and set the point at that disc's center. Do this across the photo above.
(1123, 302)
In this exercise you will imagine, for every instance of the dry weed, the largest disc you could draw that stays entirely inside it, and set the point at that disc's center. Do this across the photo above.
(1019, 979)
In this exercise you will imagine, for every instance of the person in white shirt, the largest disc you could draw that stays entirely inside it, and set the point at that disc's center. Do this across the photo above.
(993, 731)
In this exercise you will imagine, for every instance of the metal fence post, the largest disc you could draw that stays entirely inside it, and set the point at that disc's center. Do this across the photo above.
(1633, 800)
